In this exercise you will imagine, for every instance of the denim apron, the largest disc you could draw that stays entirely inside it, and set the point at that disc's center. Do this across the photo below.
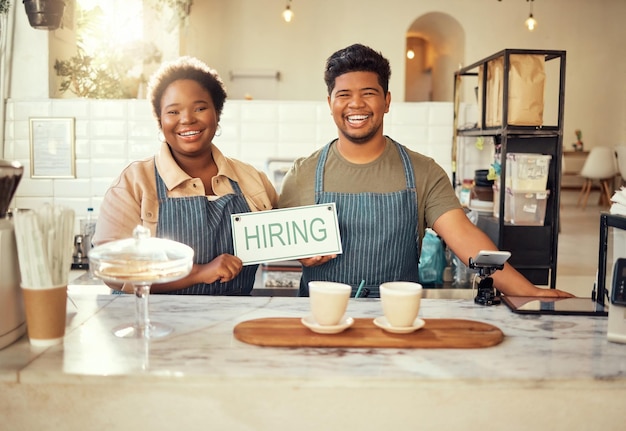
(379, 234)
(205, 226)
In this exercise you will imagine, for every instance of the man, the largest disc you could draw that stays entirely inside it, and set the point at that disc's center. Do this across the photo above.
(386, 195)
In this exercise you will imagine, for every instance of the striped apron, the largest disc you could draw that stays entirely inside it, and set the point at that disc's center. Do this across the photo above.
(379, 234)
(205, 226)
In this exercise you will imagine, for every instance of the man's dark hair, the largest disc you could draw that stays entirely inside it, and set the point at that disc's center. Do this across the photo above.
(357, 58)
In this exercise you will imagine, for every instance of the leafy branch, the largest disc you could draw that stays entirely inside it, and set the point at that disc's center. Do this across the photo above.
(84, 79)
(180, 8)
(5, 5)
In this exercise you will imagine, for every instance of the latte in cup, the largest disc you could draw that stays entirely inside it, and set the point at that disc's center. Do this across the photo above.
(401, 302)
(329, 301)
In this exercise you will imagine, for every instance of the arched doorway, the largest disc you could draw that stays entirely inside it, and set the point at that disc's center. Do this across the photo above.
(436, 42)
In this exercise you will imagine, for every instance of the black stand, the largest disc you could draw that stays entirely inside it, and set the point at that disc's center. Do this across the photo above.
(486, 294)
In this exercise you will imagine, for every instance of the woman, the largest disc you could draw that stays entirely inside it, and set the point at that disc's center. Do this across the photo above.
(188, 191)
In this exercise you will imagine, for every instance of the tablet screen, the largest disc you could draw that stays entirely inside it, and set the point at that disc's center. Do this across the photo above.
(566, 306)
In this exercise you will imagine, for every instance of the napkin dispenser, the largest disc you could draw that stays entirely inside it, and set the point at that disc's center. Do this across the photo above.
(616, 330)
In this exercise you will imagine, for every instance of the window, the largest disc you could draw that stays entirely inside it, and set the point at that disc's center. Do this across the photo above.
(118, 44)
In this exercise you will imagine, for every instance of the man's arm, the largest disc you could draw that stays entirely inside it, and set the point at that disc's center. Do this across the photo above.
(466, 240)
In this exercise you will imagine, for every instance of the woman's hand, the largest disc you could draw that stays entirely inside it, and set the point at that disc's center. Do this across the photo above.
(223, 268)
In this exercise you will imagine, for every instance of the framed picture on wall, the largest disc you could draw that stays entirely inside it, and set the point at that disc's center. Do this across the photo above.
(52, 148)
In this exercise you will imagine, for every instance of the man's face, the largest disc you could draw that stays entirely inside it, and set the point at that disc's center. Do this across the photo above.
(358, 105)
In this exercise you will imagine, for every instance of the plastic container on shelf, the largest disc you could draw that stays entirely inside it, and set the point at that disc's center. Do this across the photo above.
(526, 208)
(527, 171)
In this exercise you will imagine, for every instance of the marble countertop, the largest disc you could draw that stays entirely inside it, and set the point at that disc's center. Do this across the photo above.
(202, 345)
(202, 374)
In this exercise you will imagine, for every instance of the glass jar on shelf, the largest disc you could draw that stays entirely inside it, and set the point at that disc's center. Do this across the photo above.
(465, 192)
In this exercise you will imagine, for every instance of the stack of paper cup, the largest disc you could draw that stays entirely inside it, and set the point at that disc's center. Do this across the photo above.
(44, 247)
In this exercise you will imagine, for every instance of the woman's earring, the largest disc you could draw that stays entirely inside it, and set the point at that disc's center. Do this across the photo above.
(218, 130)
(160, 136)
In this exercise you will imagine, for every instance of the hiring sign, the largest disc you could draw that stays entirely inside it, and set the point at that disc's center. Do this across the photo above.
(288, 233)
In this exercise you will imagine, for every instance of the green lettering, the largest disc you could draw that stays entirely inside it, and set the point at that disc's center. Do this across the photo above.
(275, 231)
(321, 231)
(249, 237)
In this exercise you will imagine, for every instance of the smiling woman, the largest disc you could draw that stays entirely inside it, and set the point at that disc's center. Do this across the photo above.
(189, 190)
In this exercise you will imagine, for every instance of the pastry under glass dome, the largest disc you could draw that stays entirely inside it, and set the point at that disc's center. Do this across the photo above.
(141, 261)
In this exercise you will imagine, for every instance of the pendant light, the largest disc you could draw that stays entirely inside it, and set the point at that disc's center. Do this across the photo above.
(288, 13)
(531, 22)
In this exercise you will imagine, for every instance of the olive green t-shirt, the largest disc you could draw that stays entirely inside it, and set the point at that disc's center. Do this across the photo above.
(435, 194)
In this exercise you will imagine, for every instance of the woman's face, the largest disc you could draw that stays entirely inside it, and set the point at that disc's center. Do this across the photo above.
(188, 117)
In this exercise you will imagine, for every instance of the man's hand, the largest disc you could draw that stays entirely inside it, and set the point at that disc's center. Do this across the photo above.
(553, 293)
(316, 260)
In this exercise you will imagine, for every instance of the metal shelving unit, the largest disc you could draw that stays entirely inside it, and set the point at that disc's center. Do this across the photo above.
(533, 248)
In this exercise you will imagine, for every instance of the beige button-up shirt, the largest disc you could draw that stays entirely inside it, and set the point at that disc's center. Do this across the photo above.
(132, 198)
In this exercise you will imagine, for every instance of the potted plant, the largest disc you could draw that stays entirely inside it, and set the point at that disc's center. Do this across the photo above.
(4, 6)
(110, 75)
(85, 79)
(44, 14)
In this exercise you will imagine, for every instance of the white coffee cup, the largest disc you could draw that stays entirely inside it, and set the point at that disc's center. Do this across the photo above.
(329, 301)
(401, 302)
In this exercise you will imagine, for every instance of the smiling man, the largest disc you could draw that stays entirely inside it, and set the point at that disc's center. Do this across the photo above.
(386, 195)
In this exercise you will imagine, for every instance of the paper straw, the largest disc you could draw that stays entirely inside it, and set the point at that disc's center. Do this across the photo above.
(67, 237)
(44, 244)
(22, 246)
(358, 291)
(31, 253)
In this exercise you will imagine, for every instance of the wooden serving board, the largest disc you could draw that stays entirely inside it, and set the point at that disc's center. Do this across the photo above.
(437, 333)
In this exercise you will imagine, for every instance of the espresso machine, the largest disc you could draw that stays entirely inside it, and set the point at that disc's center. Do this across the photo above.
(12, 318)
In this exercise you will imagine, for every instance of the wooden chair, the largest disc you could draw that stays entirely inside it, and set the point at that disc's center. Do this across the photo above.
(600, 166)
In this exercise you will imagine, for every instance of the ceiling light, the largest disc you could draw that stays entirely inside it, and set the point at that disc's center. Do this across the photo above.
(410, 54)
(531, 22)
(288, 13)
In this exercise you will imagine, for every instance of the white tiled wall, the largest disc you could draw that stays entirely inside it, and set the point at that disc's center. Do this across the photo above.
(112, 133)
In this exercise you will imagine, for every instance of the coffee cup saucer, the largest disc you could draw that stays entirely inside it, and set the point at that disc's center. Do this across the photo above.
(382, 323)
(344, 324)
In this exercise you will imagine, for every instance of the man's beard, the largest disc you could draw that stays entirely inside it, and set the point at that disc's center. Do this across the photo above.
(361, 139)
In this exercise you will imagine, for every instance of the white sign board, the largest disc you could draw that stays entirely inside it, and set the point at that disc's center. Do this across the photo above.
(289, 233)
